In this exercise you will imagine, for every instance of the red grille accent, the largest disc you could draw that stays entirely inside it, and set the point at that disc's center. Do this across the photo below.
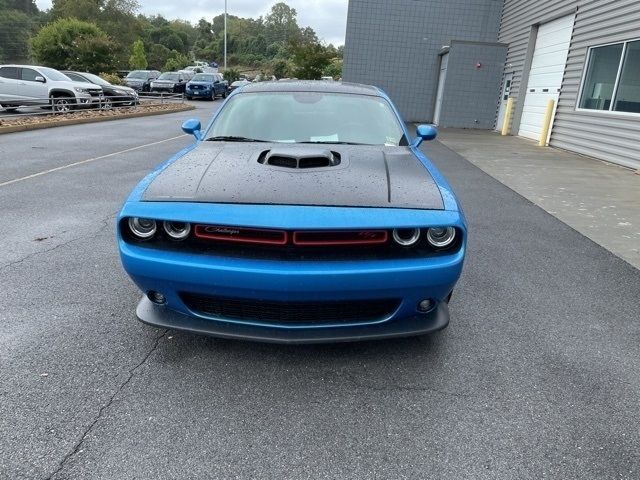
(242, 235)
(340, 237)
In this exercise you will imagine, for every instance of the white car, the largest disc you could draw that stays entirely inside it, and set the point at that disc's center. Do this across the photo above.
(26, 85)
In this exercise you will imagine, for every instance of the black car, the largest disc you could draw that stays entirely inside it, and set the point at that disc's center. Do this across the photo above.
(140, 80)
(171, 82)
(114, 95)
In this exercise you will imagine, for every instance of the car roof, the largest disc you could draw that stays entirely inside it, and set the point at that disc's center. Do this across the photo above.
(24, 66)
(312, 86)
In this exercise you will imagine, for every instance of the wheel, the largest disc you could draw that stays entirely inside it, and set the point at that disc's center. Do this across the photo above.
(224, 94)
(188, 97)
(107, 103)
(62, 104)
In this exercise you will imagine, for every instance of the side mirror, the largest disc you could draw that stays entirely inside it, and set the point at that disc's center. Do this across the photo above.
(193, 127)
(40, 79)
(425, 133)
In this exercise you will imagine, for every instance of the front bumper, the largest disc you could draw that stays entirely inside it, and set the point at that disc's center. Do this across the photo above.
(202, 92)
(408, 280)
(89, 101)
(162, 317)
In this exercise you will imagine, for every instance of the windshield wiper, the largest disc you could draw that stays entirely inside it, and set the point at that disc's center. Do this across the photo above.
(231, 138)
(329, 142)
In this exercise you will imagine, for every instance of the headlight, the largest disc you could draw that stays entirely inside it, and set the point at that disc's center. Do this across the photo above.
(407, 237)
(177, 230)
(143, 228)
(81, 90)
(441, 237)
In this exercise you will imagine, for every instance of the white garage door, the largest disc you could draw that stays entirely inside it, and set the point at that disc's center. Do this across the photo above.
(547, 70)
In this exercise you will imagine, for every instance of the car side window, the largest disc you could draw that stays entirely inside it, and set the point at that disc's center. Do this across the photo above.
(29, 75)
(74, 77)
(9, 72)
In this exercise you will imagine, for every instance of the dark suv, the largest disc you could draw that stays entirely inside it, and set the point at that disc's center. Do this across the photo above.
(206, 85)
(140, 80)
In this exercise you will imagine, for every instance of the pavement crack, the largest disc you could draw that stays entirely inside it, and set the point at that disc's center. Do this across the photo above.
(77, 447)
(106, 222)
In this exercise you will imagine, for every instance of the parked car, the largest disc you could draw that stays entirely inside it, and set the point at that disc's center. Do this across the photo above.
(114, 95)
(171, 82)
(32, 85)
(140, 80)
(200, 69)
(238, 84)
(206, 85)
(305, 212)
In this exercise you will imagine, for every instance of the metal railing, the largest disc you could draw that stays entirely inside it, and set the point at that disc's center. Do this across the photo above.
(70, 105)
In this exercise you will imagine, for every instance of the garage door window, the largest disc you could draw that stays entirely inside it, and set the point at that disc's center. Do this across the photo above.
(612, 81)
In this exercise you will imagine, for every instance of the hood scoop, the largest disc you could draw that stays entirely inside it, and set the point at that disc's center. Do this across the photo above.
(299, 158)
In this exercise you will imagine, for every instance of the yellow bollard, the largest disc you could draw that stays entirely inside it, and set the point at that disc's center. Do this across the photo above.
(546, 123)
(507, 117)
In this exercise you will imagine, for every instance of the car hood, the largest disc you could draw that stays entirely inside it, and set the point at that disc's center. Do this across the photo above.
(367, 176)
(206, 84)
(115, 88)
(165, 82)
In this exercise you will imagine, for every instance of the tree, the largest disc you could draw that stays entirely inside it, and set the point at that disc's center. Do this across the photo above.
(281, 68)
(15, 28)
(177, 62)
(158, 56)
(281, 23)
(231, 75)
(138, 58)
(334, 69)
(72, 44)
(310, 61)
(172, 41)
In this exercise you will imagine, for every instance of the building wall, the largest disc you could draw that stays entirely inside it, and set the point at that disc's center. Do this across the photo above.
(606, 135)
(471, 92)
(394, 44)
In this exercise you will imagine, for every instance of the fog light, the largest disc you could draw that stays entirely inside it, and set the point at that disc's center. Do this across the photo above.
(426, 306)
(441, 237)
(156, 297)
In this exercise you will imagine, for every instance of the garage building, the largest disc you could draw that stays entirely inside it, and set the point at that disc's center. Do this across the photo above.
(457, 66)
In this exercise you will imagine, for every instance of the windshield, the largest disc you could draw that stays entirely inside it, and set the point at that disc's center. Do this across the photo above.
(174, 77)
(138, 74)
(95, 79)
(54, 75)
(200, 77)
(309, 117)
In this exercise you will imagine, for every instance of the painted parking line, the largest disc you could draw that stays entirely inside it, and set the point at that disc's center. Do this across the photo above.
(88, 160)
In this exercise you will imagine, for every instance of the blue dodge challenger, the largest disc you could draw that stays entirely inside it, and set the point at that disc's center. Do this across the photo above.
(304, 212)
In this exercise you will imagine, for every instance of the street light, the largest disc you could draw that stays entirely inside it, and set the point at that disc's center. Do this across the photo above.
(225, 35)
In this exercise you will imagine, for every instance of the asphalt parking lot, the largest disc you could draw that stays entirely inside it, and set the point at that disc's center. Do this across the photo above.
(538, 375)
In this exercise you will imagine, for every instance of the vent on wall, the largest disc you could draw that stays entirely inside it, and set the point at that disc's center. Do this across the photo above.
(299, 158)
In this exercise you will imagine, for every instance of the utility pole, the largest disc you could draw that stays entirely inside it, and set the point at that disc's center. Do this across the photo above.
(225, 35)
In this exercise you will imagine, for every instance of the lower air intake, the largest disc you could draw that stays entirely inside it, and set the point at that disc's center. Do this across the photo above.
(334, 312)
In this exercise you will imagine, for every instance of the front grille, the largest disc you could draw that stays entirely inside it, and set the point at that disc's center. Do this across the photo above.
(95, 93)
(288, 313)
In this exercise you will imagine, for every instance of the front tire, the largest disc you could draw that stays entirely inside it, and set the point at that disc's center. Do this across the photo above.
(62, 104)
(107, 103)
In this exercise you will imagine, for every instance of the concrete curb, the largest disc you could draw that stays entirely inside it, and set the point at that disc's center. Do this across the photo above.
(80, 121)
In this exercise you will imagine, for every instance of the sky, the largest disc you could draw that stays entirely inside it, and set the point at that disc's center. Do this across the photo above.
(327, 17)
